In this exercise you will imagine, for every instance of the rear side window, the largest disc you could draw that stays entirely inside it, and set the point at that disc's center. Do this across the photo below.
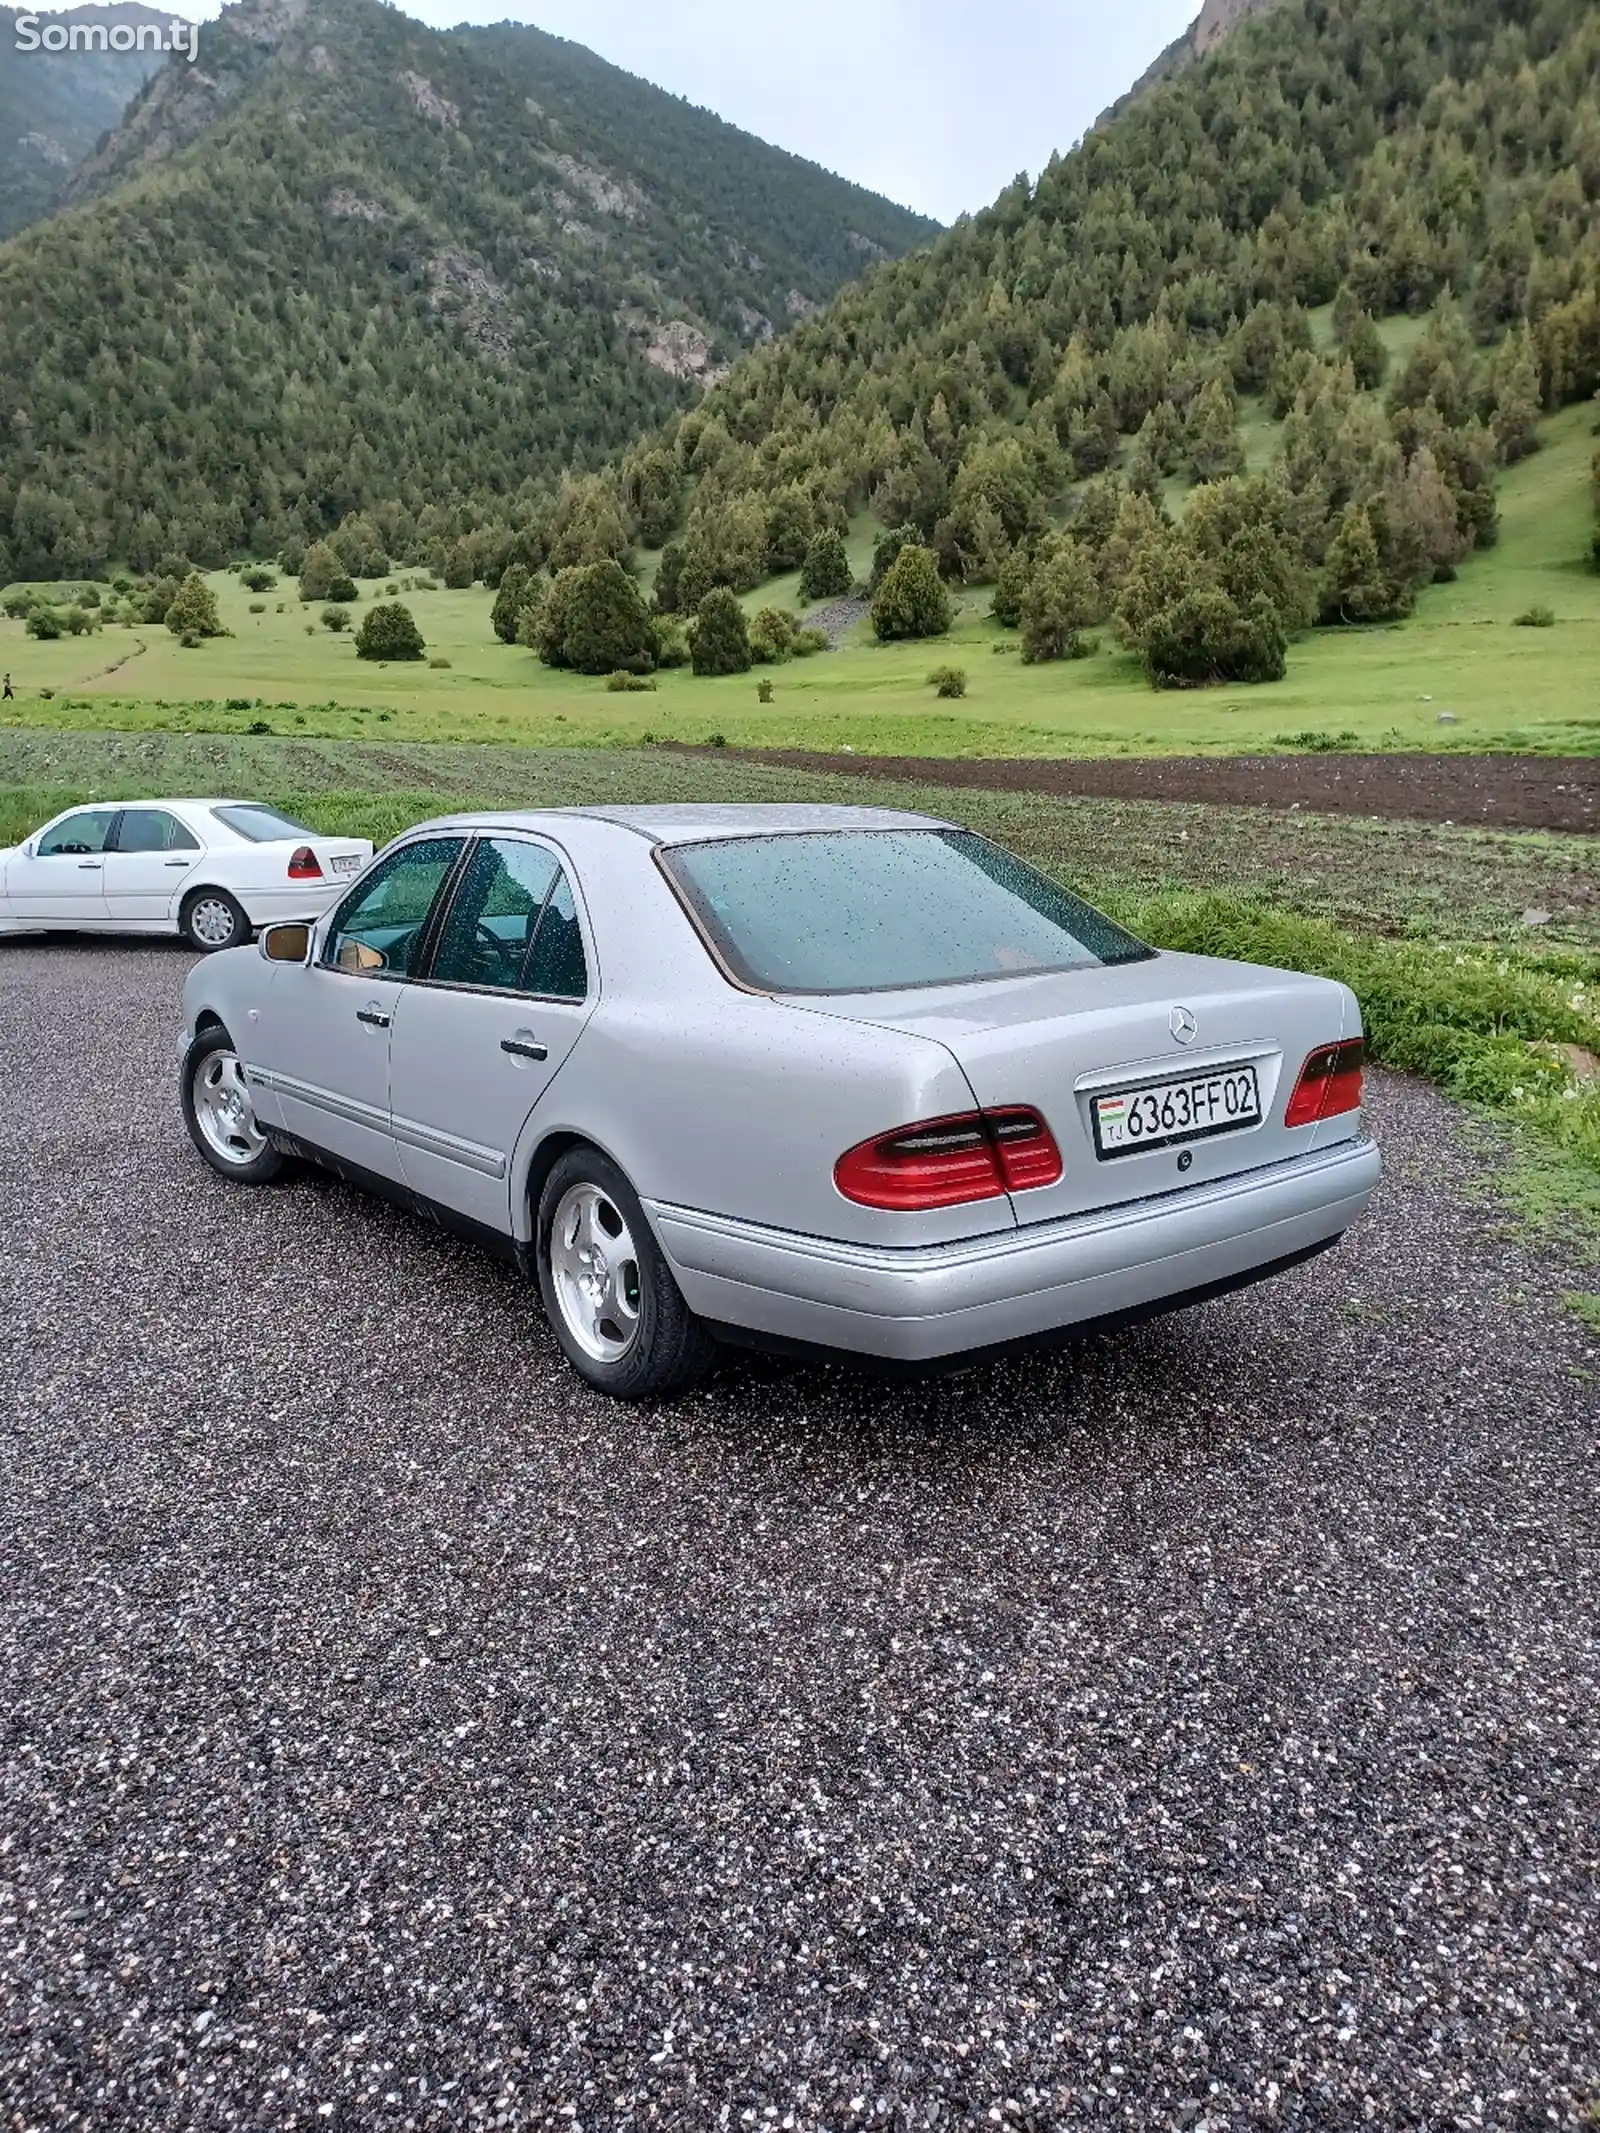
(875, 910)
(260, 825)
(152, 829)
(493, 915)
(557, 966)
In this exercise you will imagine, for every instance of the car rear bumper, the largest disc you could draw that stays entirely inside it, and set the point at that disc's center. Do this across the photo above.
(922, 1303)
(295, 902)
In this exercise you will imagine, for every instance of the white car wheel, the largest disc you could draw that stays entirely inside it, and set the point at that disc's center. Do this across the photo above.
(212, 920)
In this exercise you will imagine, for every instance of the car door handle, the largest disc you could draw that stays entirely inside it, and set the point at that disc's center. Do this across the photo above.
(520, 1048)
(374, 1017)
(176, 862)
(88, 866)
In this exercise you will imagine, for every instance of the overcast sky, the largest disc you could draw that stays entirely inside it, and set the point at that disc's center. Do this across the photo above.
(938, 103)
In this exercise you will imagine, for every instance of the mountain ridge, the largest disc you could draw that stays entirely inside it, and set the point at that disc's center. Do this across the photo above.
(55, 106)
(344, 259)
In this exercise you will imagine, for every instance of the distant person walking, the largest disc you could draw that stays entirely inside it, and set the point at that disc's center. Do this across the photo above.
(11, 694)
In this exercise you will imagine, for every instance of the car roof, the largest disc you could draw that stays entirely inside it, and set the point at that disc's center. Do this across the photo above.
(188, 801)
(686, 822)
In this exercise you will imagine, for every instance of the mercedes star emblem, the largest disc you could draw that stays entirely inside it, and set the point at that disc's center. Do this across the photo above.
(1183, 1025)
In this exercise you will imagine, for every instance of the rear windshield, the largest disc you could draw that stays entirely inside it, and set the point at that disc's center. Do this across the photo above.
(874, 910)
(262, 825)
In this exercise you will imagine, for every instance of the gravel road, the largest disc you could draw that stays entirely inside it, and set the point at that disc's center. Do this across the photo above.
(1197, 1732)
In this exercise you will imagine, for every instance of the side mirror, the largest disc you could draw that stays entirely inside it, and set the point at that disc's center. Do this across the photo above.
(287, 944)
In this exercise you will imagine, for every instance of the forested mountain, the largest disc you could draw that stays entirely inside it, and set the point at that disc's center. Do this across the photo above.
(344, 262)
(1084, 345)
(54, 106)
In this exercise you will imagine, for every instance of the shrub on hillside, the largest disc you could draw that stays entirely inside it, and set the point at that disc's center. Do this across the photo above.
(193, 611)
(544, 625)
(44, 623)
(1009, 588)
(1061, 600)
(671, 645)
(605, 623)
(626, 683)
(825, 573)
(389, 631)
(509, 601)
(912, 600)
(1537, 617)
(721, 639)
(948, 681)
(1206, 637)
(884, 550)
(460, 566)
(258, 581)
(772, 636)
(335, 619)
(323, 576)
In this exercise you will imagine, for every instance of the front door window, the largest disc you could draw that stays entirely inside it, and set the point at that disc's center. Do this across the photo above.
(78, 836)
(379, 930)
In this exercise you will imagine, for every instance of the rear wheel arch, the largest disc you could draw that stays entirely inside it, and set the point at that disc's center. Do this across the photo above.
(548, 1151)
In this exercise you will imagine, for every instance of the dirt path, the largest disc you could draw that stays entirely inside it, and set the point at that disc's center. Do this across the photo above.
(1495, 791)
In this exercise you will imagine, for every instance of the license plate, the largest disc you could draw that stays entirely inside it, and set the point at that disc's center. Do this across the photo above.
(346, 862)
(1167, 1111)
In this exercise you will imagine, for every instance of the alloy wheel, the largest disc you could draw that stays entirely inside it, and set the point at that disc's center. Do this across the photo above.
(594, 1271)
(223, 1110)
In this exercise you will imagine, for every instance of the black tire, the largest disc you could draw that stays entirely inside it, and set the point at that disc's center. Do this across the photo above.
(670, 1349)
(251, 1164)
(208, 907)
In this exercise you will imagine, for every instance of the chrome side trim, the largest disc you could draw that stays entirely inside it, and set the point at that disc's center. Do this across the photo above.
(430, 1140)
(491, 1162)
(472, 1155)
(306, 1092)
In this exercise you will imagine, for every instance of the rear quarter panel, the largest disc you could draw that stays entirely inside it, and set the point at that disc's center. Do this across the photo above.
(744, 1112)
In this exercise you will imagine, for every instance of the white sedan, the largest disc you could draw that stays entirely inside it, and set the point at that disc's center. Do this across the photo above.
(210, 870)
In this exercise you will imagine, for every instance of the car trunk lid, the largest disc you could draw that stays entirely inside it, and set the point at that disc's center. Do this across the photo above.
(1060, 1039)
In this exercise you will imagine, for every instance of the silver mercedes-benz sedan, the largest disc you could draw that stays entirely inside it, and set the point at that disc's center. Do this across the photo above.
(819, 1078)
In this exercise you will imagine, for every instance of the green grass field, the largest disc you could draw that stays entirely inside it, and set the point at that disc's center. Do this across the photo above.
(1505, 687)
(1426, 880)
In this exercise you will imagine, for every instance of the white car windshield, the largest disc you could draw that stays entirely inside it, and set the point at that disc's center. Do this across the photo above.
(874, 910)
(261, 825)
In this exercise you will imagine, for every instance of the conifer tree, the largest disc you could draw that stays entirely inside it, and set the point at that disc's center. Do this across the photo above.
(721, 639)
(825, 574)
(912, 600)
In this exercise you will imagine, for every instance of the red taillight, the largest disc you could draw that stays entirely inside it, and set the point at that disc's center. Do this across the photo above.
(944, 1162)
(303, 866)
(1330, 1082)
